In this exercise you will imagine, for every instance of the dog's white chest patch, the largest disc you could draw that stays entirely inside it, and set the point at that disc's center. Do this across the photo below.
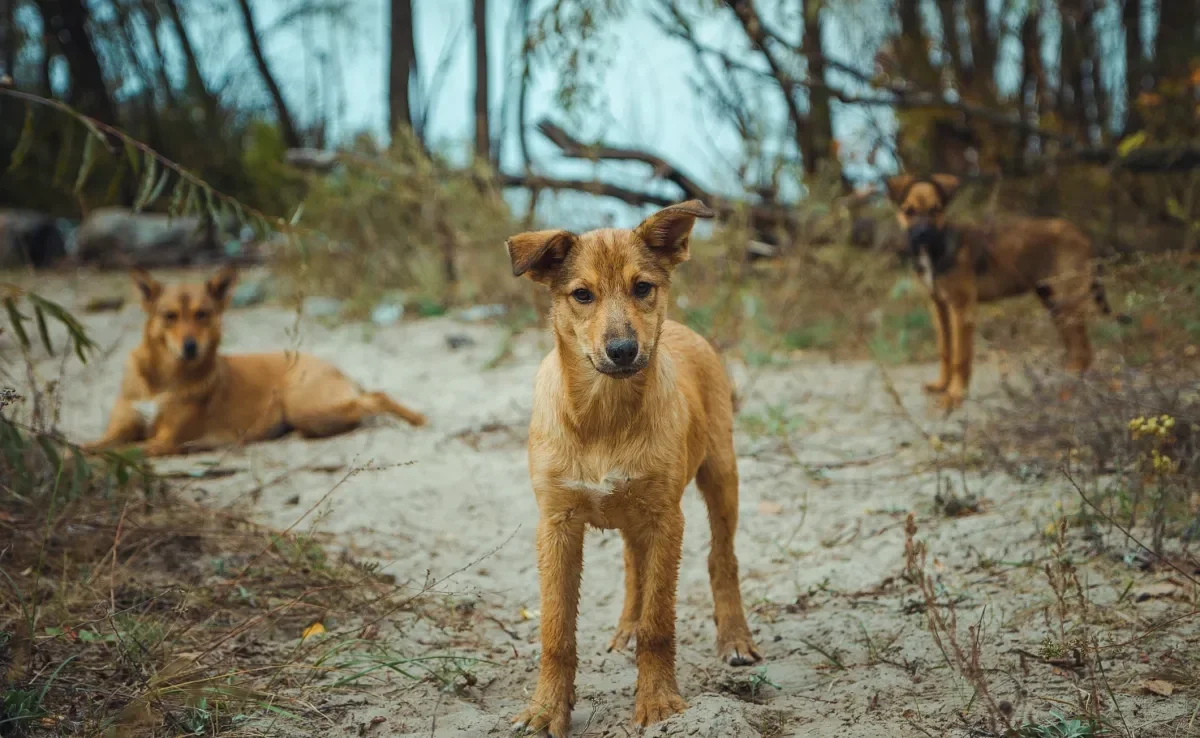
(614, 479)
(147, 410)
(925, 269)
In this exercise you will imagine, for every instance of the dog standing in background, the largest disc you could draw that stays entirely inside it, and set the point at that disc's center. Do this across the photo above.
(628, 408)
(964, 265)
(179, 394)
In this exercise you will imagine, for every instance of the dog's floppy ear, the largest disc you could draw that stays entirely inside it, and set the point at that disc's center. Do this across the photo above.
(670, 229)
(537, 254)
(148, 287)
(219, 284)
(948, 184)
(898, 187)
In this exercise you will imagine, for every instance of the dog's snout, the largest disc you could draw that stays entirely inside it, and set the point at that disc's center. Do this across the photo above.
(921, 231)
(190, 348)
(621, 351)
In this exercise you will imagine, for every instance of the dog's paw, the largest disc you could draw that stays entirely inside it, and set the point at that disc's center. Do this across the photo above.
(951, 400)
(934, 388)
(551, 716)
(658, 706)
(625, 632)
(738, 650)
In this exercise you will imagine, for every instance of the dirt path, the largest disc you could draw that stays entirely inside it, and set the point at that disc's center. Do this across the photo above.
(821, 537)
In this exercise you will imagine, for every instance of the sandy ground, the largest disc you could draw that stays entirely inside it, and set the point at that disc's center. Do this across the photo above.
(820, 539)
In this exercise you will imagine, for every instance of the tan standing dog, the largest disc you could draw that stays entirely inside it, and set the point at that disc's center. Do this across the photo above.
(964, 265)
(179, 394)
(628, 408)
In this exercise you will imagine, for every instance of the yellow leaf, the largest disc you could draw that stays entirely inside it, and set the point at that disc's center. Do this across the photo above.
(1133, 142)
(1159, 687)
(312, 630)
(529, 614)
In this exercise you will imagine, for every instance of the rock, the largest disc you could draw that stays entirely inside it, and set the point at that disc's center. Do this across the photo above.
(321, 307)
(117, 236)
(29, 238)
(480, 313)
(249, 293)
(387, 313)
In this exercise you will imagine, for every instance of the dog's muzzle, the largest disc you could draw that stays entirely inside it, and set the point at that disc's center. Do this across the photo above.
(189, 349)
(622, 358)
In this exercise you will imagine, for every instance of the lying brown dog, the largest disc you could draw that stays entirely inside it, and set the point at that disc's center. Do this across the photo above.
(178, 393)
(963, 265)
(628, 408)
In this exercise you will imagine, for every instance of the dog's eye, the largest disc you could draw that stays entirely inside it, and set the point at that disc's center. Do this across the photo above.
(170, 316)
(910, 212)
(201, 315)
(643, 289)
(582, 296)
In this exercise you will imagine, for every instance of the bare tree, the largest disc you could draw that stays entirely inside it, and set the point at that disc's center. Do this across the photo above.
(287, 123)
(402, 66)
(195, 79)
(482, 128)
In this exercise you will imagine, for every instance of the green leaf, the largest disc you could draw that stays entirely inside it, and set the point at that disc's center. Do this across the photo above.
(158, 188)
(43, 330)
(85, 168)
(24, 142)
(149, 179)
(83, 472)
(1126, 147)
(296, 215)
(177, 197)
(17, 320)
(50, 451)
(131, 152)
(64, 155)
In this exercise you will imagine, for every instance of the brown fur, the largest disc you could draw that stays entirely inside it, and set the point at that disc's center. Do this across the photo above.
(1008, 257)
(169, 403)
(615, 448)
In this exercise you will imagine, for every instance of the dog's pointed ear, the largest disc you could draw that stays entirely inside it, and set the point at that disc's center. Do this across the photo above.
(538, 254)
(948, 184)
(148, 287)
(669, 230)
(898, 187)
(220, 285)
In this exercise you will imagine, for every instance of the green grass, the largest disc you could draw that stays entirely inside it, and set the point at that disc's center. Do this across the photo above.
(903, 337)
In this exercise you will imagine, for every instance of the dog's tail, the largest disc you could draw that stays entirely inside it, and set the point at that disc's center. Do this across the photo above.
(1101, 298)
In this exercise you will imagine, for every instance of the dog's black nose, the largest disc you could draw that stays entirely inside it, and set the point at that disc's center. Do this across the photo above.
(189, 348)
(622, 351)
(922, 233)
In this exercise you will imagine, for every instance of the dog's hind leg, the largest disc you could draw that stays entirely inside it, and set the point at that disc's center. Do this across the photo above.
(632, 611)
(717, 479)
(1068, 314)
(386, 405)
(346, 415)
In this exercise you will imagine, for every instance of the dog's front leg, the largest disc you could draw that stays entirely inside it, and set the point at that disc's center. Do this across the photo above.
(941, 325)
(124, 426)
(657, 690)
(560, 566)
(962, 333)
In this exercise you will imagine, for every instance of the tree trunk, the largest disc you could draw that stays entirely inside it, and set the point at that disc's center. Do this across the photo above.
(1135, 69)
(482, 129)
(195, 80)
(8, 37)
(948, 13)
(523, 93)
(68, 21)
(819, 132)
(402, 66)
(286, 123)
(983, 51)
(153, 16)
(912, 49)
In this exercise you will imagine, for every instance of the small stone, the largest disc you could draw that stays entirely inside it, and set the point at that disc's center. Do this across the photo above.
(387, 313)
(455, 341)
(248, 293)
(480, 313)
(321, 307)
